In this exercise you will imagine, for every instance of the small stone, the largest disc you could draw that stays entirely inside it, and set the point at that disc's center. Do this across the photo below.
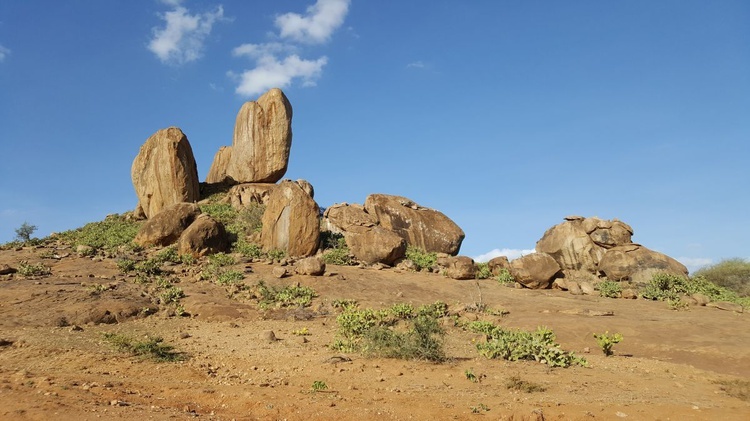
(184, 335)
(269, 336)
(279, 272)
(76, 328)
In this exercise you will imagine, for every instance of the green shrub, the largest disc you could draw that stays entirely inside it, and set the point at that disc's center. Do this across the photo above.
(221, 260)
(220, 212)
(733, 274)
(171, 295)
(276, 254)
(319, 386)
(230, 277)
(114, 231)
(168, 254)
(483, 271)
(246, 249)
(422, 260)
(504, 277)
(27, 269)
(423, 341)
(437, 309)
(514, 345)
(248, 220)
(607, 341)
(402, 311)
(152, 348)
(288, 296)
(666, 287)
(610, 289)
(339, 254)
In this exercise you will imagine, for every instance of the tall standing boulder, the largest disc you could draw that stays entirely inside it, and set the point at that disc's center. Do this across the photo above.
(291, 221)
(262, 140)
(633, 262)
(420, 227)
(218, 171)
(164, 171)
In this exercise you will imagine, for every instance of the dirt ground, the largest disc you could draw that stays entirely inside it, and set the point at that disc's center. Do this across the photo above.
(55, 364)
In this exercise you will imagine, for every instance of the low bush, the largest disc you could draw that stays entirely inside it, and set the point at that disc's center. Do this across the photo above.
(152, 347)
(288, 296)
(422, 260)
(38, 269)
(666, 287)
(504, 277)
(109, 234)
(610, 289)
(339, 253)
(733, 274)
(607, 341)
(483, 271)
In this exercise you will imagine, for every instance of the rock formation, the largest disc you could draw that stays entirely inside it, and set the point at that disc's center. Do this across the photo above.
(458, 267)
(291, 221)
(421, 227)
(374, 244)
(164, 171)
(633, 262)
(218, 171)
(262, 141)
(535, 270)
(165, 227)
(204, 236)
(243, 195)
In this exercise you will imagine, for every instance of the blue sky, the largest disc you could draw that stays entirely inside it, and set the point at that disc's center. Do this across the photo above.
(505, 115)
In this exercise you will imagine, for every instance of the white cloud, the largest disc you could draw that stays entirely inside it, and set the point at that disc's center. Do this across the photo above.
(317, 25)
(416, 65)
(272, 73)
(4, 52)
(694, 263)
(278, 64)
(509, 253)
(181, 40)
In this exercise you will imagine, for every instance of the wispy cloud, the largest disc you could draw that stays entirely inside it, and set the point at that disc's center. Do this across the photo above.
(4, 52)
(181, 39)
(509, 253)
(317, 25)
(694, 263)
(278, 64)
(416, 65)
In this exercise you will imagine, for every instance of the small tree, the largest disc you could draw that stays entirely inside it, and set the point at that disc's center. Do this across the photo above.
(24, 232)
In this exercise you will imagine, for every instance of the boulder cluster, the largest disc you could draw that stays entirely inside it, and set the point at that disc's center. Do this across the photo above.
(166, 182)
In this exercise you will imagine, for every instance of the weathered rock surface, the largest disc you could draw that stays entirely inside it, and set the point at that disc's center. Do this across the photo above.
(262, 140)
(243, 195)
(218, 171)
(291, 221)
(579, 243)
(165, 227)
(421, 227)
(374, 244)
(535, 270)
(313, 266)
(342, 217)
(497, 264)
(307, 187)
(204, 236)
(164, 171)
(458, 267)
(6, 270)
(636, 263)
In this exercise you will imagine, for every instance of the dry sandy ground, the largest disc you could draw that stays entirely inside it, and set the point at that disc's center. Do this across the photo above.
(667, 367)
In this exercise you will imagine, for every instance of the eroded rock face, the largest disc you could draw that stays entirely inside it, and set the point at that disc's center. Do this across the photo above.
(313, 266)
(497, 264)
(458, 267)
(579, 243)
(291, 221)
(204, 236)
(342, 217)
(262, 140)
(164, 171)
(243, 195)
(535, 270)
(633, 262)
(218, 171)
(374, 244)
(166, 226)
(421, 227)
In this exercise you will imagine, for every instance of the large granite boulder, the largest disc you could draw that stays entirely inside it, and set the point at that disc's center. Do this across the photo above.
(633, 262)
(341, 217)
(291, 221)
(427, 229)
(579, 243)
(218, 171)
(458, 267)
(535, 270)
(375, 244)
(262, 140)
(165, 227)
(204, 236)
(164, 171)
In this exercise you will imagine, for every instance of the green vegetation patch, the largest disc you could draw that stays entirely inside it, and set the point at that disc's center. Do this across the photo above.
(114, 231)
(666, 287)
(422, 260)
(336, 252)
(733, 274)
(288, 296)
(28, 269)
(610, 289)
(152, 348)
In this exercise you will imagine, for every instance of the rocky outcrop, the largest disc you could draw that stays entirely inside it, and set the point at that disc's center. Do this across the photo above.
(458, 267)
(243, 195)
(164, 171)
(633, 262)
(342, 217)
(204, 236)
(535, 270)
(374, 244)
(497, 264)
(420, 227)
(291, 221)
(166, 226)
(579, 243)
(218, 171)
(262, 140)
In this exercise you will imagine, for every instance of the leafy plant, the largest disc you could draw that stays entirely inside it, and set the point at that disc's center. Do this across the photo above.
(339, 254)
(230, 277)
(733, 274)
(301, 332)
(152, 347)
(246, 249)
(288, 296)
(607, 341)
(666, 287)
(422, 260)
(319, 386)
(424, 341)
(402, 311)
(479, 409)
(24, 232)
(171, 295)
(483, 271)
(504, 277)
(276, 254)
(114, 231)
(27, 269)
(470, 376)
(610, 289)
(514, 345)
